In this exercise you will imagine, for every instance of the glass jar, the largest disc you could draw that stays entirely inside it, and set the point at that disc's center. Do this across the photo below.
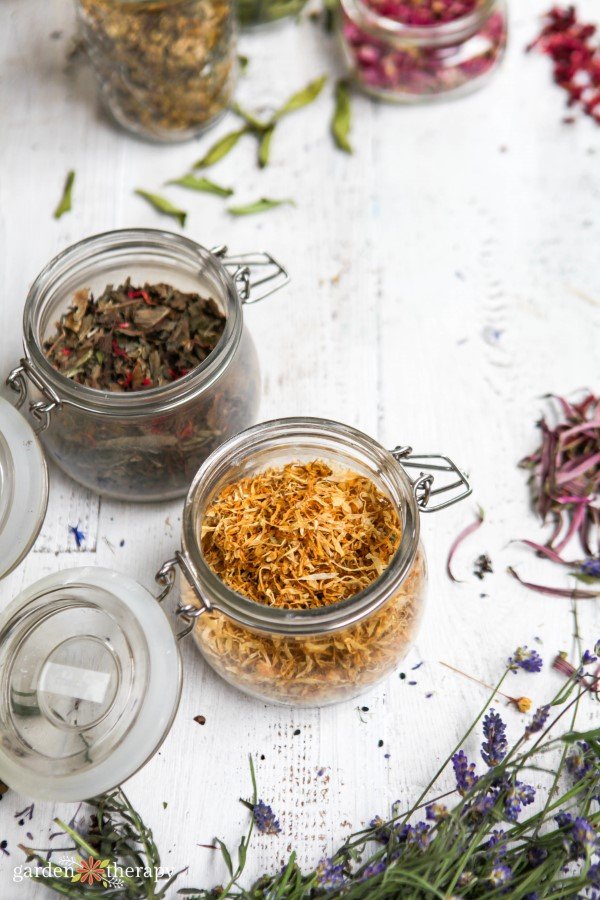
(90, 669)
(410, 64)
(316, 656)
(144, 445)
(262, 12)
(166, 68)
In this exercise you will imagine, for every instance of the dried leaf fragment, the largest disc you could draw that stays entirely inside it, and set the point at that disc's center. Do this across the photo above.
(65, 202)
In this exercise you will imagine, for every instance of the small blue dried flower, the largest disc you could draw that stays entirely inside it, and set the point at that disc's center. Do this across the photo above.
(563, 819)
(495, 746)
(591, 567)
(500, 875)
(540, 717)
(329, 875)
(464, 772)
(585, 839)
(264, 818)
(528, 660)
(77, 534)
(588, 658)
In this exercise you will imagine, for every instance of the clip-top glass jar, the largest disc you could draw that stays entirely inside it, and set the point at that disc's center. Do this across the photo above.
(410, 63)
(166, 68)
(90, 671)
(145, 445)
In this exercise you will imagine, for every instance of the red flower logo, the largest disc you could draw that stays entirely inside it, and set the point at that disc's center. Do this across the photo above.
(91, 871)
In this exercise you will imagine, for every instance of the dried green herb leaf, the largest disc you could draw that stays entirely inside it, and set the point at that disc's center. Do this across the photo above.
(243, 62)
(342, 117)
(66, 199)
(163, 205)
(202, 184)
(222, 147)
(264, 147)
(253, 121)
(301, 98)
(262, 205)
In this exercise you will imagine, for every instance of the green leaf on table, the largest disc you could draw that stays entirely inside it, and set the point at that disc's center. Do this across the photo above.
(301, 98)
(259, 206)
(342, 117)
(264, 147)
(162, 205)
(201, 184)
(66, 199)
(243, 62)
(222, 147)
(253, 121)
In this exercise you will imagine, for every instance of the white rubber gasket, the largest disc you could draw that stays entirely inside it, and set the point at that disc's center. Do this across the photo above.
(23, 487)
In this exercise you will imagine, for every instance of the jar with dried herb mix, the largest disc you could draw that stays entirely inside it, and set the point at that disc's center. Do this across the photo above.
(90, 671)
(411, 51)
(302, 561)
(138, 359)
(262, 12)
(166, 68)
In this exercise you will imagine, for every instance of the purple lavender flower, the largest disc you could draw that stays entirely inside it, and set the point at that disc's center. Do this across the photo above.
(464, 772)
(578, 762)
(329, 875)
(536, 856)
(585, 839)
(528, 660)
(382, 832)
(593, 875)
(493, 749)
(540, 717)
(436, 812)
(591, 567)
(264, 818)
(514, 796)
(563, 819)
(588, 658)
(465, 879)
(500, 875)
(419, 836)
(497, 842)
(480, 808)
(374, 869)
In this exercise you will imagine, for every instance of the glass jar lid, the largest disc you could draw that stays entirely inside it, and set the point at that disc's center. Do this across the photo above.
(90, 679)
(23, 487)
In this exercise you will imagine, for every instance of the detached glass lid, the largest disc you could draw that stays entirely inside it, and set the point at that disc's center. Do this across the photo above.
(90, 678)
(23, 487)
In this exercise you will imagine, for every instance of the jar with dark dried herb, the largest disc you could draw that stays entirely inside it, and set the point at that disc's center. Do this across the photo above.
(138, 359)
(262, 12)
(166, 68)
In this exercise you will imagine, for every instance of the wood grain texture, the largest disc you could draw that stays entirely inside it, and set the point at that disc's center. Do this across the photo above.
(444, 278)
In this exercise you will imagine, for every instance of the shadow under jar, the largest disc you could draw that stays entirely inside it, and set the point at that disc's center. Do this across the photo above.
(321, 655)
(399, 61)
(144, 445)
(166, 68)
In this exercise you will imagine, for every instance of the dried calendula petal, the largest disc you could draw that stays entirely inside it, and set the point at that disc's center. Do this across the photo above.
(301, 537)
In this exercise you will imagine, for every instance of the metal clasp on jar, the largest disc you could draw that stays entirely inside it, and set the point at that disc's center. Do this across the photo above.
(39, 409)
(423, 485)
(255, 275)
(188, 612)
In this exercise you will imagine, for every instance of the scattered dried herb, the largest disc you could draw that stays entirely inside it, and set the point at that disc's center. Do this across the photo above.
(483, 566)
(572, 593)
(220, 149)
(201, 720)
(162, 205)
(342, 117)
(166, 70)
(134, 338)
(575, 53)
(259, 206)
(565, 475)
(77, 534)
(301, 537)
(154, 455)
(202, 184)
(65, 202)
(464, 534)
(523, 704)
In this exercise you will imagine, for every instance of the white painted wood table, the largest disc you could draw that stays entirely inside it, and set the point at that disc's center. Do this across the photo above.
(443, 278)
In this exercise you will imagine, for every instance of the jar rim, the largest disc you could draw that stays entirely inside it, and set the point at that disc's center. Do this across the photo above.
(151, 400)
(320, 619)
(462, 28)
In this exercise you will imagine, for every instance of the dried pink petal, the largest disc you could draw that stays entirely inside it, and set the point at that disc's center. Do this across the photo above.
(464, 534)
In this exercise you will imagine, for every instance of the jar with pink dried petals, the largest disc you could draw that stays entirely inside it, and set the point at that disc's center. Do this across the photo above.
(410, 51)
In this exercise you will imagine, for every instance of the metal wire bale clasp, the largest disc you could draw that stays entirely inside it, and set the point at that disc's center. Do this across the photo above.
(188, 612)
(423, 485)
(253, 271)
(39, 409)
